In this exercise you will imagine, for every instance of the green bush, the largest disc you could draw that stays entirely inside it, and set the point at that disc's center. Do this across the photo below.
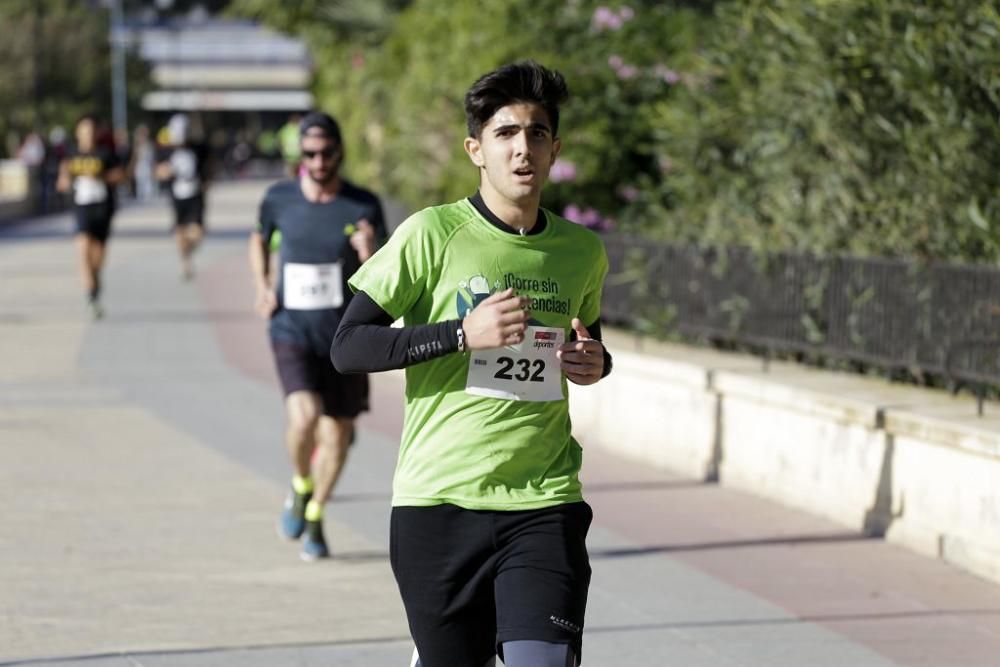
(859, 126)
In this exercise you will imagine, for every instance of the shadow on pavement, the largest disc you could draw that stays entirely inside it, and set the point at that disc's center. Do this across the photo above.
(732, 544)
(117, 316)
(820, 618)
(24, 232)
(643, 486)
(207, 651)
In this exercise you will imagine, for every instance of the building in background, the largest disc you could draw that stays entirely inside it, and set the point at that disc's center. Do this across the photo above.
(237, 80)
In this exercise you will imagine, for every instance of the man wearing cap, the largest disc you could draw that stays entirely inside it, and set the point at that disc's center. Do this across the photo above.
(328, 228)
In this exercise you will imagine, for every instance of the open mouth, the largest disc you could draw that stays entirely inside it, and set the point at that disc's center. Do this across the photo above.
(524, 172)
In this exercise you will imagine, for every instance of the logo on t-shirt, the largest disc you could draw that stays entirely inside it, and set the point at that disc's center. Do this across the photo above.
(543, 292)
(473, 292)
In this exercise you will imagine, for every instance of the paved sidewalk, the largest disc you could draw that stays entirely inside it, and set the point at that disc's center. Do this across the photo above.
(141, 472)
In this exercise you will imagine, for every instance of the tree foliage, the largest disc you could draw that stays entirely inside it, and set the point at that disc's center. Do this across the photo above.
(57, 65)
(860, 126)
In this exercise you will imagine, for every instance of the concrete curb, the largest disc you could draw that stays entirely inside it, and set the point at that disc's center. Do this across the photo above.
(915, 466)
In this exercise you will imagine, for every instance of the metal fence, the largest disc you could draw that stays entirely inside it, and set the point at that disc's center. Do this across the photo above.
(940, 319)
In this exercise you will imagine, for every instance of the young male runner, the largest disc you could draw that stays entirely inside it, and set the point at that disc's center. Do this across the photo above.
(500, 301)
(329, 227)
(91, 171)
(185, 166)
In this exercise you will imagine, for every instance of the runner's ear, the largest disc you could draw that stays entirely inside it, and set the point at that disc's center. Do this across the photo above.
(474, 150)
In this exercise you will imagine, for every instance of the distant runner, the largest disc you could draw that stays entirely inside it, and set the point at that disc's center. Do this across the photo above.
(91, 172)
(328, 227)
(185, 167)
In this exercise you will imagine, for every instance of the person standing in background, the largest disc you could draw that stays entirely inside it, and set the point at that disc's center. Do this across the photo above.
(288, 142)
(143, 164)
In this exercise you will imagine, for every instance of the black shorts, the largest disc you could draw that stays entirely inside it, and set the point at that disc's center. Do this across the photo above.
(301, 370)
(94, 220)
(189, 211)
(471, 580)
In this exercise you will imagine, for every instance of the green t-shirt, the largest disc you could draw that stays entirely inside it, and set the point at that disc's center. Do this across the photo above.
(463, 448)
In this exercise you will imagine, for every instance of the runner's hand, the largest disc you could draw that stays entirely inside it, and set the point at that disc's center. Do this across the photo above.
(498, 321)
(582, 360)
(265, 302)
(363, 240)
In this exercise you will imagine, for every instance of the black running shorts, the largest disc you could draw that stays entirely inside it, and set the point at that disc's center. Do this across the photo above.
(189, 211)
(301, 370)
(471, 579)
(94, 220)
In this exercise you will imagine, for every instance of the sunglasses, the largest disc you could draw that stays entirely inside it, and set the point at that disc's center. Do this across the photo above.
(327, 153)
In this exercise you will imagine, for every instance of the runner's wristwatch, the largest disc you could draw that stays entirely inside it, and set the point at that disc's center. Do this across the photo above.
(461, 337)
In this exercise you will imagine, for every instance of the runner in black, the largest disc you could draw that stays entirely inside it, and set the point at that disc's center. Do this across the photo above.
(91, 172)
(328, 227)
(500, 302)
(185, 166)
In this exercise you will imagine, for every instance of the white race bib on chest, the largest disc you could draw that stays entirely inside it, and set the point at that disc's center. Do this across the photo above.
(526, 372)
(312, 286)
(89, 190)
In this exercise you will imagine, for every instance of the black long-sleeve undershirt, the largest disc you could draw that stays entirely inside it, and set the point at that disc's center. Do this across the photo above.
(366, 341)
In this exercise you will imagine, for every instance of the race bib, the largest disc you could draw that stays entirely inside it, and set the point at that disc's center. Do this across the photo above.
(312, 286)
(186, 183)
(528, 371)
(89, 190)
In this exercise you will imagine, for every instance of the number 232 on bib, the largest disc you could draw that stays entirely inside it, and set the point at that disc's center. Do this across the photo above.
(528, 371)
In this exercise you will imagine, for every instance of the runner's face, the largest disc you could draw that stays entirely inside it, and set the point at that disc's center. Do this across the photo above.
(85, 135)
(515, 152)
(321, 157)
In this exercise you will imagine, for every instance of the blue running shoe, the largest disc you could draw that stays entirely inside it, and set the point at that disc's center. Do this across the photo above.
(314, 544)
(293, 519)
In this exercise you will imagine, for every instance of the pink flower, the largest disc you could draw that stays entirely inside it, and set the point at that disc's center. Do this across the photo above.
(563, 171)
(627, 71)
(605, 19)
(623, 70)
(626, 13)
(590, 218)
(667, 74)
(572, 213)
(628, 192)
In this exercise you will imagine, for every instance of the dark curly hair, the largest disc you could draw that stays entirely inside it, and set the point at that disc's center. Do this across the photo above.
(520, 82)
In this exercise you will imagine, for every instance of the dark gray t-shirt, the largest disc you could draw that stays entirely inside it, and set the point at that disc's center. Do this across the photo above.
(315, 258)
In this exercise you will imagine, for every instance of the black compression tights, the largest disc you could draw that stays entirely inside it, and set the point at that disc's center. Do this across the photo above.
(532, 653)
